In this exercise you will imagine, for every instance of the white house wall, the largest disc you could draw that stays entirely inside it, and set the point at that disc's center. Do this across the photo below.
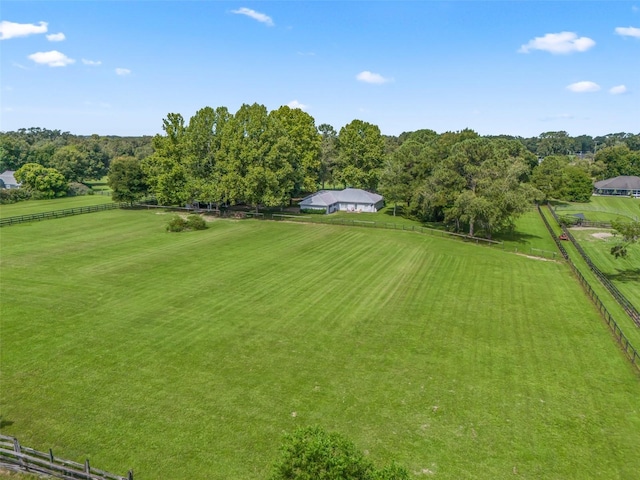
(355, 207)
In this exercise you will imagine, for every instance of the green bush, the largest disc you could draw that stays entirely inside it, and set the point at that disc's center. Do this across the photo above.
(179, 224)
(13, 195)
(313, 211)
(176, 224)
(77, 188)
(310, 453)
(196, 222)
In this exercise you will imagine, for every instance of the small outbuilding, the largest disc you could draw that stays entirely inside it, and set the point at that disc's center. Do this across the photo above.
(347, 200)
(7, 180)
(621, 186)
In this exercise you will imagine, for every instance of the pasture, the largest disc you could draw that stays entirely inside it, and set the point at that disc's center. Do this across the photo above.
(604, 209)
(623, 272)
(188, 355)
(39, 206)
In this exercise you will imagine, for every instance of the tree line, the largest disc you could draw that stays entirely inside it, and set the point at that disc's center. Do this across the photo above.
(478, 184)
(77, 158)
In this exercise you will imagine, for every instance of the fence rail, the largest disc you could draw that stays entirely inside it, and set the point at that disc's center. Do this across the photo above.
(629, 350)
(619, 296)
(14, 456)
(59, 213)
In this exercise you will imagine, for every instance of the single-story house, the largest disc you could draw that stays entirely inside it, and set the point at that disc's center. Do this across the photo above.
(7, 180)
(347, 200)
(623, 186)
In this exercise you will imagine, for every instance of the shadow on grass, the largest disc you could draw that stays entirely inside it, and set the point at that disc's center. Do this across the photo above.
(517, 237)
(5, 423)
(629, 275)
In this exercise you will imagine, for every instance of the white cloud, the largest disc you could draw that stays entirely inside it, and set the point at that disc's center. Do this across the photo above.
(92, 63)
(56, 37)
(13, 30)
(122, 71)
(297, 104)
(53, 58)
(307, 54)
(375, 78)
(260, 17)
(628, 31)
(583, 87)
(618, 90)
(558, 43)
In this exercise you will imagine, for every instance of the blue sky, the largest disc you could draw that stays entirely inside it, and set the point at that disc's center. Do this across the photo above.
(516, 67)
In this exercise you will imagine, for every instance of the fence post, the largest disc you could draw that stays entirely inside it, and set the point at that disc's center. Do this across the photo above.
(51, 455)
(18, 449)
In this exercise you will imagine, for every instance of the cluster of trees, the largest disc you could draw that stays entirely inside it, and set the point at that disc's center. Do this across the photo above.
(583, 146)
(51, 163)
(77, 158)
(462, 179)
(254, 157)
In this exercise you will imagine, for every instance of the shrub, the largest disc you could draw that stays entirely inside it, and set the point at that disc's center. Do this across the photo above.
(176, 224)
(179, 224)
(313, 211)
(310, 453)
(77, 188)
(196, 222)
(13, 195)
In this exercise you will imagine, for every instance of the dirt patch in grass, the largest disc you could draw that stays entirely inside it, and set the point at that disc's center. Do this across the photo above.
(536, 258)
(602, 235)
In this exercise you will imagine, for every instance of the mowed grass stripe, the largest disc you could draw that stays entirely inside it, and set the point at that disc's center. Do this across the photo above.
(449, 357)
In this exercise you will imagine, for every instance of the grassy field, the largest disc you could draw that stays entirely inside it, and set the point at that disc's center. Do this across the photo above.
(623, 272)
(604, 209)
(38, 206)
(188, 355)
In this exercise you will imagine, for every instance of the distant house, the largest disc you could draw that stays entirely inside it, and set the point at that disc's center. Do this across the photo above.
(347, 200)
(7, 180)
(623, 186)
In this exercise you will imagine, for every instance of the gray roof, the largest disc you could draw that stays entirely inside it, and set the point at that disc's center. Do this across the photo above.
(8, 178)
(324, 198)
(619, 183)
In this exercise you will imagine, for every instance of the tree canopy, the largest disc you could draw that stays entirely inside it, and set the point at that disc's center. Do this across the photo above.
(43, 182)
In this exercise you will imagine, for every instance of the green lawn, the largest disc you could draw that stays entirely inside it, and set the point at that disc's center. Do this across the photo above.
(623, 272)
(188, 355)
(38, 206)
(604, 209)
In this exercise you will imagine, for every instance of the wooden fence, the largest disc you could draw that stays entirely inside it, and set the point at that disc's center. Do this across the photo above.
(14, 456)
(619, 296)
(629, 350)
(60, 213)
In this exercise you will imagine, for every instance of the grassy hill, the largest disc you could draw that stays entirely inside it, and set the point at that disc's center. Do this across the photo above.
(188, 355)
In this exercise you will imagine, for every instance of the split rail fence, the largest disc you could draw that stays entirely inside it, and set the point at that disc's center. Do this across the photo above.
(15, 457)
(619, 296)
(629, 350)
(60, 213)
